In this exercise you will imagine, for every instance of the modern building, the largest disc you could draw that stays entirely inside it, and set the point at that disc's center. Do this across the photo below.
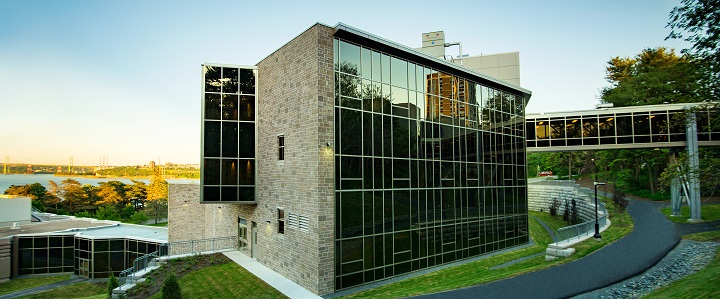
(343, 158)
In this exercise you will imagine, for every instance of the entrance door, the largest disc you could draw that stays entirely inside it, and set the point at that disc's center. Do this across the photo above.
(84, 268)
(242, 235)
(254, 239)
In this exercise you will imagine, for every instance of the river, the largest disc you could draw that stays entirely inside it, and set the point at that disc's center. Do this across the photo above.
(6, 180)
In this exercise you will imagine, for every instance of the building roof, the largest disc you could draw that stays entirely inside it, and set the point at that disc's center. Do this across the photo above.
(89, 227)
(374, 41)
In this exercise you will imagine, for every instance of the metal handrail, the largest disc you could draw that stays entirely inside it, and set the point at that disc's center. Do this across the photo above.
(198, 246)
(585, 228)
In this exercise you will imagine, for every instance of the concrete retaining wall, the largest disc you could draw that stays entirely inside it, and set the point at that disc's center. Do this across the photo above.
(541, 196)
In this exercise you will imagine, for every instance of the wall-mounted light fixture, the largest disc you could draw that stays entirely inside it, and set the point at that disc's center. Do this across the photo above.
(328, 144)
(267, 221)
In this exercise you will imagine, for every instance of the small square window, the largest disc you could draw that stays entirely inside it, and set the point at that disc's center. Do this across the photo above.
(281, 147)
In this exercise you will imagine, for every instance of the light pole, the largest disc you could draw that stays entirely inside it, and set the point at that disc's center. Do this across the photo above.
(597, 226)
(597, 235)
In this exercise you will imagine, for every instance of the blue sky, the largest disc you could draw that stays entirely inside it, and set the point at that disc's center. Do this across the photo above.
(121, 79)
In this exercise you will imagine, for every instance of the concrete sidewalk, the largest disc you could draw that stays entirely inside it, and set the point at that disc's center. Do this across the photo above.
(653, 237)
(277, 281)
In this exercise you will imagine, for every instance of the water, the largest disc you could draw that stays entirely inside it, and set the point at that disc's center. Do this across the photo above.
(6, 180)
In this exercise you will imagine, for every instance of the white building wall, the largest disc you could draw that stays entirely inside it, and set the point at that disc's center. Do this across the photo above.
(14, 209)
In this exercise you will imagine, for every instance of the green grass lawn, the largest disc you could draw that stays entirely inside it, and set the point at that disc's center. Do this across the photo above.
(708, 212)
(152, 223)
(224, 281)
(479, 272)
(73, 291)
(554, 222)
(20, 284)
(702, 284)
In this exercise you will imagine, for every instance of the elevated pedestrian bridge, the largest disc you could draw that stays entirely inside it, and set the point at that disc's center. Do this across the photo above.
(652, 126)
(677, 126)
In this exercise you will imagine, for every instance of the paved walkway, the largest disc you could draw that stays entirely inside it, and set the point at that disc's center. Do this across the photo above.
(277, 281)
(653, 237)
(43, 288)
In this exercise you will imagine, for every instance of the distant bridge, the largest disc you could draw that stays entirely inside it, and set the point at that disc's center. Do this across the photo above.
(651, 126)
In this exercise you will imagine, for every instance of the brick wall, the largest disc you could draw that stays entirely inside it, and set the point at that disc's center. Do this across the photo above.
(295, 98)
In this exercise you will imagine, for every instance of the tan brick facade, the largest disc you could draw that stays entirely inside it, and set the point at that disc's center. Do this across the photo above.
(295, 98)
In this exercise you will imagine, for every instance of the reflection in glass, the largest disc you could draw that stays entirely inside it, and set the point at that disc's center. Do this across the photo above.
(229, 80)
(409, 172)
(212, 106)
(247, 108)
(230, 107)
(212, 78)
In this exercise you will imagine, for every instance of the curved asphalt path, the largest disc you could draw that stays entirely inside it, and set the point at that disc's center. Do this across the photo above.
(651, 239)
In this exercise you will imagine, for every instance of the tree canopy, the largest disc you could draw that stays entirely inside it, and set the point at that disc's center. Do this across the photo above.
(655, 76)
(698, 22)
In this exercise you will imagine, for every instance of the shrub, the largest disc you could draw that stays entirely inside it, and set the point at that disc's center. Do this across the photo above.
(574, 215)
(112, 284)
(83, 214)
(171, 288)
(554, 207)
(620, 201)
(566, 212)
(139, 218)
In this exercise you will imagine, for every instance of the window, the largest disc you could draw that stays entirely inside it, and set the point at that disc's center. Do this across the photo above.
(281, 221)
(281, 147)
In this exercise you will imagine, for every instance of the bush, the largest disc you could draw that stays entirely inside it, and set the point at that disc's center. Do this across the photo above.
(107, 213)
(554, 207)
(171, 288)
(83, 214)
(139, 218)
(620, 201)
(566, 212)
(112, 284)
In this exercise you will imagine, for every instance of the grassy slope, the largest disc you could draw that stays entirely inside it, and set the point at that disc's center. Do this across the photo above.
(709, 212)
(224, 281)
(20, 284)
(479, 272)
(78, 290)
(703, 284)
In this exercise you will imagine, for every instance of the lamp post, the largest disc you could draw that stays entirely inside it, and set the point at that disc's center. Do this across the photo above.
(597, 235)
(597, 226)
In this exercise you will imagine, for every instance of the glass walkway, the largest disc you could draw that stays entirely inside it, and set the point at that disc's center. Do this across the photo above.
(651, 126)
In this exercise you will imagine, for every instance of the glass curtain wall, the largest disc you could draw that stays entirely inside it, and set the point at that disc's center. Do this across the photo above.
(429, 167)
(228, 164)
(45, 254)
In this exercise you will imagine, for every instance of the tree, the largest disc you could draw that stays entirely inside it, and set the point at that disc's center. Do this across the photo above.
(171, 288)
(112, 284)
(139, 217)
(106, 213)
(655, 76)
(158, 188)
(136, 193)
(157, 209)
(698, 22)
(73, 194)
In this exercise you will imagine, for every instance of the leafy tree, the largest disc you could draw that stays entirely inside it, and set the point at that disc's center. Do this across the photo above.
(554, 207)
(136, 193)
(698, 22)
(171, 288)
(112, 192)
(107, 213)
(655, 76)
(73, 194)
(127, 211)
(157, 209)
(158, 188)
(139, 217)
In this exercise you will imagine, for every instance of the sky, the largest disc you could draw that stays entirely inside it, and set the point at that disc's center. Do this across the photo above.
(121, 79)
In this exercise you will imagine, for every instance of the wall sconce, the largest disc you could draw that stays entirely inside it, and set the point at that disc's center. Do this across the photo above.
(328, 144)
(267, 221)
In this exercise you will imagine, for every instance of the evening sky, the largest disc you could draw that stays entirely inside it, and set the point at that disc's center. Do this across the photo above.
(121, 79)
